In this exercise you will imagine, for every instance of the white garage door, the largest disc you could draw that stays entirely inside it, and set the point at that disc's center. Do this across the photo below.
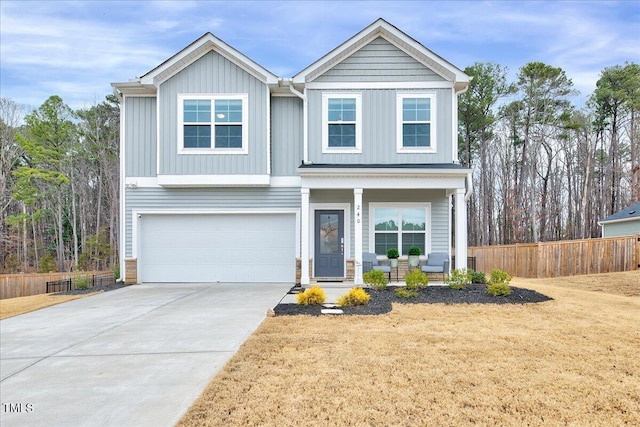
(217, 248)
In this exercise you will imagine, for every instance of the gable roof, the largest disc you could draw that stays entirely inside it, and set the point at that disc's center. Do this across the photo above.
(194, 51)
(381, 28)
(627, 214)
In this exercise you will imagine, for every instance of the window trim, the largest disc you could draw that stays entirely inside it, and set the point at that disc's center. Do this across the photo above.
(400, 148)
(244, 97)
(325, 123)
(372, 224)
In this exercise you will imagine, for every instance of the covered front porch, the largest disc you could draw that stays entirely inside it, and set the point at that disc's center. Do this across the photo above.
(347, 210)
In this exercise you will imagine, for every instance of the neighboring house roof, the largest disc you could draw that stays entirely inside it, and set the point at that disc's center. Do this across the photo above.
(196, 50)
(381, 28)
(627, 214)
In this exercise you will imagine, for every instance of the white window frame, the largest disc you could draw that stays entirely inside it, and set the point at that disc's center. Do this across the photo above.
(213, 97)
(427, 219)
(400, 148)
(325, 123)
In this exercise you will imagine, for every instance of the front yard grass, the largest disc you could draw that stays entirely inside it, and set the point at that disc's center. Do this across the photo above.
(15, 306)
(570, 361)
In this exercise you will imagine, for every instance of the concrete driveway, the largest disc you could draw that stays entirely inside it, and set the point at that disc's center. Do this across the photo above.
(137, 356)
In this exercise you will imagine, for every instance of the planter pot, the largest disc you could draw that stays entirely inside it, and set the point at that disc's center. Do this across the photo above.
(393, 262)
(414, 260)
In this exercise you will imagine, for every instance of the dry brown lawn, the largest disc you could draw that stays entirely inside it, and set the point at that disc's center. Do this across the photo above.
(15, 306)
(571, 361)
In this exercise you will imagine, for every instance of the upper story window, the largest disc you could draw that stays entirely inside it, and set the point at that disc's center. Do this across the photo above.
(415, 125)
(212, 124)
(342, 123)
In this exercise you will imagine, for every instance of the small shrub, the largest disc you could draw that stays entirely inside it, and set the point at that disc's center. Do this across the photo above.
(393, 253)
(416, 279)
(499, 283)
(414, 250)
(116, 271)
(499, 289)
(377, 279)
(312, 296)
(499, 276)
(82, 281)
(478, 277)
(355, 296)
(459, 279)
(406, 293)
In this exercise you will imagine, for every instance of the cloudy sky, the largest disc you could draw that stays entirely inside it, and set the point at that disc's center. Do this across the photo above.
(75, 49)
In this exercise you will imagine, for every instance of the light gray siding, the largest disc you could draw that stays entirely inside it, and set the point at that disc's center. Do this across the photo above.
(627, 228)
(439, 212)
(206, 199)
(140, 136)
(286, 135)
(379, 61)
(213, 74)
(379, 129)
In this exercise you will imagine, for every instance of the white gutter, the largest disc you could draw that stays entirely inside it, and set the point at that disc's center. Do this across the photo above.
(467, 195)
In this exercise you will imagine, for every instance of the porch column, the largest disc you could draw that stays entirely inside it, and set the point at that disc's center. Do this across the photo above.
(357, 221)
(304, 238)
(461, 229)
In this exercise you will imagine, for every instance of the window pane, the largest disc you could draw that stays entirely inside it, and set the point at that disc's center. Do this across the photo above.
(416, 109)
(228, 110)
(329, 234)
(384, 242)
(413, 219)
(416, 135)
(386, 219)
(197, 136)
(412, 239)
(228, 136)
(342, 135)
(342, 109)
(197, 111)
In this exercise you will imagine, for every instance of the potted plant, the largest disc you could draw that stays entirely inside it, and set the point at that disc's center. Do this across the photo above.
(393, 256)
(414, 253)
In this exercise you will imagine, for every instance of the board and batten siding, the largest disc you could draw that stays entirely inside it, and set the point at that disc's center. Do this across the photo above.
(203, 199)
(379, 128)
(140, 136)
(213, 74)
(286, 135)
(378, 61)
(439, 212)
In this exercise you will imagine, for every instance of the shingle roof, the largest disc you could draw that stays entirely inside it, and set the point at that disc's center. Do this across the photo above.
(631, 212)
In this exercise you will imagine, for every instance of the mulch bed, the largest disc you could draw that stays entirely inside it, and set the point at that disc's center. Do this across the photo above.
(381, 301)
(103, 288)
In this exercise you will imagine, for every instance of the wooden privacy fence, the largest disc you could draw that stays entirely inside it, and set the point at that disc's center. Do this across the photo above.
(565, 258)
(23, 285)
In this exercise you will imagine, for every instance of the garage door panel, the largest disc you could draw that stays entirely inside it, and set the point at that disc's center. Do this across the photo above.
(210, 248)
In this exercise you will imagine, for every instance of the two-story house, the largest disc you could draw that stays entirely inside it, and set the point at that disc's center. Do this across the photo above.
(232, 174)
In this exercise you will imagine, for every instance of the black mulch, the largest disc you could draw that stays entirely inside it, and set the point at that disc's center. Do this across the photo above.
(381, 300)
(104, 288)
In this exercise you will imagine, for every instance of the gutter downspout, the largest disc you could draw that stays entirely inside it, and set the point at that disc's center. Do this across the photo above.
(305, 121)
(469, 179)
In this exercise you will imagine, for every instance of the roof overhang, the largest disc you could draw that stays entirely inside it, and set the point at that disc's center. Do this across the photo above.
(387, 177)
(615, 221)
(381, 28)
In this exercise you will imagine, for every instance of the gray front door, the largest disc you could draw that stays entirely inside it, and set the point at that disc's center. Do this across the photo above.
(329, 247)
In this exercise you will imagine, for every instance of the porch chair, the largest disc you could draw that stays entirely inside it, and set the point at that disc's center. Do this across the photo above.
(437, 262)
(370, 262)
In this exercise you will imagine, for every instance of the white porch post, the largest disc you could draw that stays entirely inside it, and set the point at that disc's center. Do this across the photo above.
(357, 220)
(461, 229)
(304, 244)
